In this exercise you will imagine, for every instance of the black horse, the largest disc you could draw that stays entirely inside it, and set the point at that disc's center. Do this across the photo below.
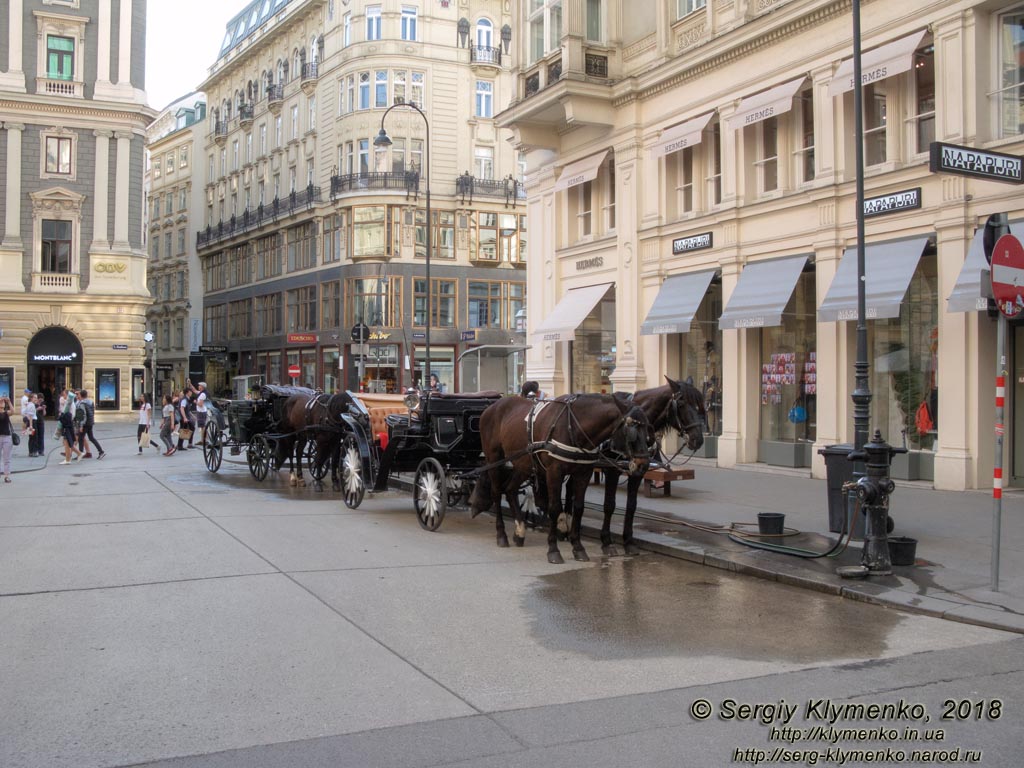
(676, 405)
(553, 439)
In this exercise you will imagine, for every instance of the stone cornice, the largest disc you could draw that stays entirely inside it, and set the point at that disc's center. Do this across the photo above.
(763, 39)
(38, 111)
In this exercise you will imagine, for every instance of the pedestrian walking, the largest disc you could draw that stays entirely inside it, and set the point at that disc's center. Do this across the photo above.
(6, 437)
(88, 407)
(201, 412)
(167, 425)
(186, 421)
(67, 423)
(28, 420)
(40, 424)
(145, 422)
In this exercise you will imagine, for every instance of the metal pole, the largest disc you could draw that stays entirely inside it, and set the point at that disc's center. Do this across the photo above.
(430, 244)
(861, 395)
(154, 369)
(1002, 228)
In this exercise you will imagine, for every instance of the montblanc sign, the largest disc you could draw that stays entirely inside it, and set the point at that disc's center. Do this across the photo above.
(692, 243)
(897, 201)
(980, 163)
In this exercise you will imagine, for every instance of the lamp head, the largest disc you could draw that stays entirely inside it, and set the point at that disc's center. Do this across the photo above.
(382, 140)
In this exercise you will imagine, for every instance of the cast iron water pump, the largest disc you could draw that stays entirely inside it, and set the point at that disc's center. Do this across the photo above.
(873, 491)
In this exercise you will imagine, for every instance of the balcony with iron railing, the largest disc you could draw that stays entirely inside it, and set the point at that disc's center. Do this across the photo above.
(549, 94)
(310, 73)
(259, 216)
(404, 181)
(485, 55)
(467, 187)
(220, 131)
(246, 114)
(275, 97)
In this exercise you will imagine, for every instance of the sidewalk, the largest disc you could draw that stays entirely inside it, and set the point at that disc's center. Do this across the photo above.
(953, 529)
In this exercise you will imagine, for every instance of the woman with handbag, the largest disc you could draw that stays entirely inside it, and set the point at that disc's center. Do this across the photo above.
(145, 423)
(67, 423)
(186, 422)
(7, 432)
(167, 425)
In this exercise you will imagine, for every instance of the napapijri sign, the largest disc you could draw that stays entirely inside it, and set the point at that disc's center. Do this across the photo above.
(897, 201)
(967, 161)
(692, 243)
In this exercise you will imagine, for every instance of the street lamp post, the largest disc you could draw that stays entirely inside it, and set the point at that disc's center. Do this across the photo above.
(150, 338)
(383, 140)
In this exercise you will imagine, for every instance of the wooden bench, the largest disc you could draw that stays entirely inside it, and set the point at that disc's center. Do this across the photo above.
(665, 476)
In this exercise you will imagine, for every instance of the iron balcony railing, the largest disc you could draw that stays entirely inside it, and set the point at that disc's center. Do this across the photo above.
(407, 181)
(482, 54)
(246, 113)
(468, 187)
(310, 70)
(275, 92)
(262, 214)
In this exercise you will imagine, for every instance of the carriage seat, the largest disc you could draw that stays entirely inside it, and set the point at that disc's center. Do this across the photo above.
(485, 395)
(381, 416)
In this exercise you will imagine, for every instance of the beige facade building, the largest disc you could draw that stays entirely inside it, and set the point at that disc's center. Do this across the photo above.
(313, 229)
(72, 265)
(691, 188)
(174, 205)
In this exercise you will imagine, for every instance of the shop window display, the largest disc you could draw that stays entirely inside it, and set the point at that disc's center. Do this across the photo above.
(788, 373)
(594, 351)
(701, 356)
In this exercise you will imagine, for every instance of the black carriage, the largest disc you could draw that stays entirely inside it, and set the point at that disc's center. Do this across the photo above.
(251, 426)
(439, 441)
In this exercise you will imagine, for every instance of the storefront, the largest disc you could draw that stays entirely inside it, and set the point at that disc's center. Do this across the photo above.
(442, 363)
(55, 362)
(585, 317)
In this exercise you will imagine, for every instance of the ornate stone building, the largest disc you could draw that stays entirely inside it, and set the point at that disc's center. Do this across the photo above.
(691, 186)
(72, 264)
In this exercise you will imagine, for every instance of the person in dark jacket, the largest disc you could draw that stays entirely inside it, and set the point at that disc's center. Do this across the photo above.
(88, 422)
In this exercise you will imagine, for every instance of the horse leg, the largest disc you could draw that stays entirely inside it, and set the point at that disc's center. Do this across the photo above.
(611, 484)
(554, 480)
(581, 481)
(336, 466)
(632, 488)
(499, 521)
(321, 457)
(563, 519)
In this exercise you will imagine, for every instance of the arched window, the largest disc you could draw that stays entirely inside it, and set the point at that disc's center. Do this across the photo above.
(280, 72)
(226, 110)
(484, 34)
(314, 51)
(284, 72)
(297, 62)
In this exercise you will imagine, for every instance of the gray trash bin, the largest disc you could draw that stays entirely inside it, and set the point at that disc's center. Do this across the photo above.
(839, 470)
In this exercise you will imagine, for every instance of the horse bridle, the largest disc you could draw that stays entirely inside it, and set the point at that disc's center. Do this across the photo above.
(625, 420)
(674, 416)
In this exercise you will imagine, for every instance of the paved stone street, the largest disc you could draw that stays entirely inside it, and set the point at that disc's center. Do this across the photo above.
(154, 613)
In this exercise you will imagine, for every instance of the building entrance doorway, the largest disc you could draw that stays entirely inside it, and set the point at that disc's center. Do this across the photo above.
(54, 362)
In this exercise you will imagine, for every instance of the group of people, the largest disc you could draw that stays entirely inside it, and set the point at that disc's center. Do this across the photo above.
(182, 412)
(76, 417)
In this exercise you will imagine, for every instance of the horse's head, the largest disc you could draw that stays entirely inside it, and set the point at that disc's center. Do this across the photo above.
(686, 412)
(635, 438)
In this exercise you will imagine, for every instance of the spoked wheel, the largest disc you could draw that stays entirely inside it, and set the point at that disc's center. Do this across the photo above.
(352, 482)
(430, 496)
(213, 451)
(311, 453)
(259, 456)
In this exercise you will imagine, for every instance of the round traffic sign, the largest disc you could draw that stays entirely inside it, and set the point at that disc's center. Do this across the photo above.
(1008, 275)
(360, 333)
(294, 371)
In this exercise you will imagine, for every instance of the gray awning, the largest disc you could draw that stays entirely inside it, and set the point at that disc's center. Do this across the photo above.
(567, 315)
(763, 290)
(676, 303)
(888, 268)
(973, 284)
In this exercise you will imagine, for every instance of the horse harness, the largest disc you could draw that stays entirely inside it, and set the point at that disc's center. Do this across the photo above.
(565, 452)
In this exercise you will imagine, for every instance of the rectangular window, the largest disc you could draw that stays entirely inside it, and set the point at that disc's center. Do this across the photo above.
(56, 244)
(768, 149)
(183, 158)
(234, 155)
(346, 25)
(714, 165)
(373, 22)
(483, 159)
(364, 90)
(380, 88)
(609, 197)
(58, 155)
(686, 7)
(157, 167)
(182, 199)
(398, 78)
(335, 229)
(350, 93)
(416, 154)
(167, 243)
(295, 121)
(248, 148)
(268, 314)
(805, 137)
(181, 241)
(594, 20)
(924, 98)
(684, 180)
(330, 305)
(443, 302)
(486, 236)
(584, 210)
(1009, 93)
(544, 20)
(444, 235)
(268, 256)
(484, 98)
(311, 114)
(408, 23)
(302, 309)
(168, 204)
(398, 155)
(240, 319)
(418, 89)
(484, 304)
(376, 301)
(875, 116)
(263, 139)
(350, 157)
(369, 232)
(171, 162)
(60, 57)
(364, 157)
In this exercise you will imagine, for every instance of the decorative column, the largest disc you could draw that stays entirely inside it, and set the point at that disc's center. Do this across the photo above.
(14, 78)
(124, 45)
(629, 369)
(12, 208)
(124, 145)
(101, 190)
(103, 45)
(730, 446)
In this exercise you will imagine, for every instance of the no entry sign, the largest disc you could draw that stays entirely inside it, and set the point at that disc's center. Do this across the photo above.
(1008, 275)
(294, 371)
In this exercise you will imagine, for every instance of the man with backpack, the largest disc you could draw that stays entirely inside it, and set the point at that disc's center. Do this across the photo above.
(85, 413)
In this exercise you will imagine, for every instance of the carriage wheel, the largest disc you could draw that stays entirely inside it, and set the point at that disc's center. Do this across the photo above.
(352, 482)
(259, 455)
(213, 451)
(430, 496)
(311, 452)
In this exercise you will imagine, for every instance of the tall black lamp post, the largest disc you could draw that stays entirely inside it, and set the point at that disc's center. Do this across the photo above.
(383, 140)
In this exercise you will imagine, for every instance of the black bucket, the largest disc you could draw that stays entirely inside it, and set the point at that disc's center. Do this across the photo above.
(770, 523)
(902, 550)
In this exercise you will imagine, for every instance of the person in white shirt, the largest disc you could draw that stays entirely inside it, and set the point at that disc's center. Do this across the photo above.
(28, 416)
(145, 422)
(26, 398)
(201, 412)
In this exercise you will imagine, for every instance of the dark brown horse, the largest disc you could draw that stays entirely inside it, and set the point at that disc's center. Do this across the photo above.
(318, 418)
(555, 439)
(676, 405)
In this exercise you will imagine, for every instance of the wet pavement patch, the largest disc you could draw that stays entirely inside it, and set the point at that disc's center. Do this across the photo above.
(651, 607)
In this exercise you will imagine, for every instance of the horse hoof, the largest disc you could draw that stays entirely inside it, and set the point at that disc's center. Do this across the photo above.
(555, 558)
(502, 541)
(631, 550)
(292, 481)
(611, 550)
(318, 487)
(519, 540)
(581, 555)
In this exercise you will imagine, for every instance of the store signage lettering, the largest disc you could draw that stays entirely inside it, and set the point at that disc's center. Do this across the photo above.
(761, 114)
(55, 358)
(213, 349)
(119, 347)
(110, 267)
(750, 322)
(379, 336)
(871, 76)
(897, 201)
(579, 178)
(593, 263)
(692, 243)
(870, 313)
(966, 161)
(664, 329)
(552, 337)
(302, 338)
(675, 146)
